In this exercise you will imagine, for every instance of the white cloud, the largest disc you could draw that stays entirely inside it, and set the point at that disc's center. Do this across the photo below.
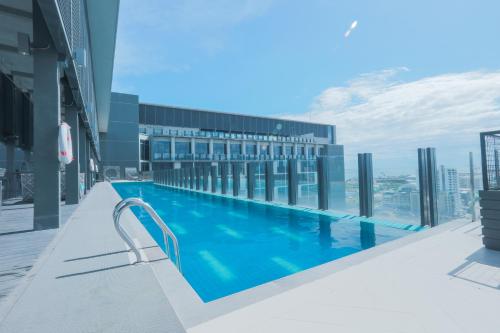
(377, 113)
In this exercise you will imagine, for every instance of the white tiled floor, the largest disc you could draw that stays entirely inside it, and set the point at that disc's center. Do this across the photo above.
(444, 283)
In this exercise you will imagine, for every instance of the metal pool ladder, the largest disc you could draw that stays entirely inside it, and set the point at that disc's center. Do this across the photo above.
(131, 202)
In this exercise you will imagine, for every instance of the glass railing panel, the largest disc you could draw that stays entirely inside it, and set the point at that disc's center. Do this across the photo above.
(260, 181)
(307, 195)
(243, 181)
(396, 190)
(454, 189)
(280, 169)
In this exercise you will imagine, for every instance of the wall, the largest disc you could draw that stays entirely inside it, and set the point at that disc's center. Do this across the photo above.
(120, 145)
(227, 122)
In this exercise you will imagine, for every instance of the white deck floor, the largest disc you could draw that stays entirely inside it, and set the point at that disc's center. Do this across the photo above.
(441, 281)
(444, 283)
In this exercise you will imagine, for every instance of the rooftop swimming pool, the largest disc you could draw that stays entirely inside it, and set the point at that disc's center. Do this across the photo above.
(230, 245)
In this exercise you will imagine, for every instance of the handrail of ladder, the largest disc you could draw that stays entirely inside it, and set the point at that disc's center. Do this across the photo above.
(131, 202)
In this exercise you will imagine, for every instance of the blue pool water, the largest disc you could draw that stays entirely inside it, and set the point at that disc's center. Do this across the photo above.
(231, 245)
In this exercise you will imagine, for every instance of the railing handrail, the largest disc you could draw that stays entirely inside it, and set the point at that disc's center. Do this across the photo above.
(131, 202)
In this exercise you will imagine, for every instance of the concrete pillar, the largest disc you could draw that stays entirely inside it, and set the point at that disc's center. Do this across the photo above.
(323, 182)
(10, 172)
(236, 178)
(271, 150)
(316, 150)
(295, 150)
(206, 174)
(47, 118)
(269, 174)
(293, 182)
(213, 174)
(82, 152)
(73, 169)
(89, 170)
(306, 151)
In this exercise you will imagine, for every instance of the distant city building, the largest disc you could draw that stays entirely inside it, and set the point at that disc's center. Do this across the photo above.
(449, 195)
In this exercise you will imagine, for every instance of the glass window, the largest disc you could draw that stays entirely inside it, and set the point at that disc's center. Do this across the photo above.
(310, 151)
(264, 149)
(235, 149)
(144, 166)
(145, 150)
(182, 147)
(201, 148)
(251, 149)
(219, 149)
(161, 150)
(278, 150)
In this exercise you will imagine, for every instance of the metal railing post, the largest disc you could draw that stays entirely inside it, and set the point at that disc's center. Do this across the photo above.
(323, 182)
(269, 177)
(365, 179)
(236, 178)
(213, 174)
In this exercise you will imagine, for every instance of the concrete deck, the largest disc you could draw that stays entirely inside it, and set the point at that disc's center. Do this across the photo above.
(20, 245)
(438, 280)
(85, 282)
(444, 283)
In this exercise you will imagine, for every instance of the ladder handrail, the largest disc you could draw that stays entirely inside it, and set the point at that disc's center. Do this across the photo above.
(131, 202)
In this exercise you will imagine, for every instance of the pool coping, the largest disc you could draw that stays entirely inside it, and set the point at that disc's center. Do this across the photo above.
(192, 311)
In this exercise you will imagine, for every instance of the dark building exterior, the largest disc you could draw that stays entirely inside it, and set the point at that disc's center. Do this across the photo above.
(148, 137)
(57, 66)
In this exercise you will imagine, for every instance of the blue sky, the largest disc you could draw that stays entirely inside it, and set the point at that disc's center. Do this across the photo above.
(415, 73)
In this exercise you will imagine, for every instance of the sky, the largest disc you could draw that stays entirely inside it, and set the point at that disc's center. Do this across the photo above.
(392, 75)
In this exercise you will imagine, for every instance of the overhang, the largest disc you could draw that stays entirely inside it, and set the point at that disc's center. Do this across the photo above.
(103, 21)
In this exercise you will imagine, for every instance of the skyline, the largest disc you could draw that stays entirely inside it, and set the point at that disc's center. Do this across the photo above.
(299, 61)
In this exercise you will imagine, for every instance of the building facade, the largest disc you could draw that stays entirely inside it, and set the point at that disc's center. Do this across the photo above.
(168, 137)
(56, 66)
(175, 135)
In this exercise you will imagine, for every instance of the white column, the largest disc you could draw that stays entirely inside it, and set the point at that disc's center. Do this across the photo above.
(243, 147)
(172, 147)
(193, 147)
(211, 149)
(271, 149)
(228, 149)
(295, 150)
